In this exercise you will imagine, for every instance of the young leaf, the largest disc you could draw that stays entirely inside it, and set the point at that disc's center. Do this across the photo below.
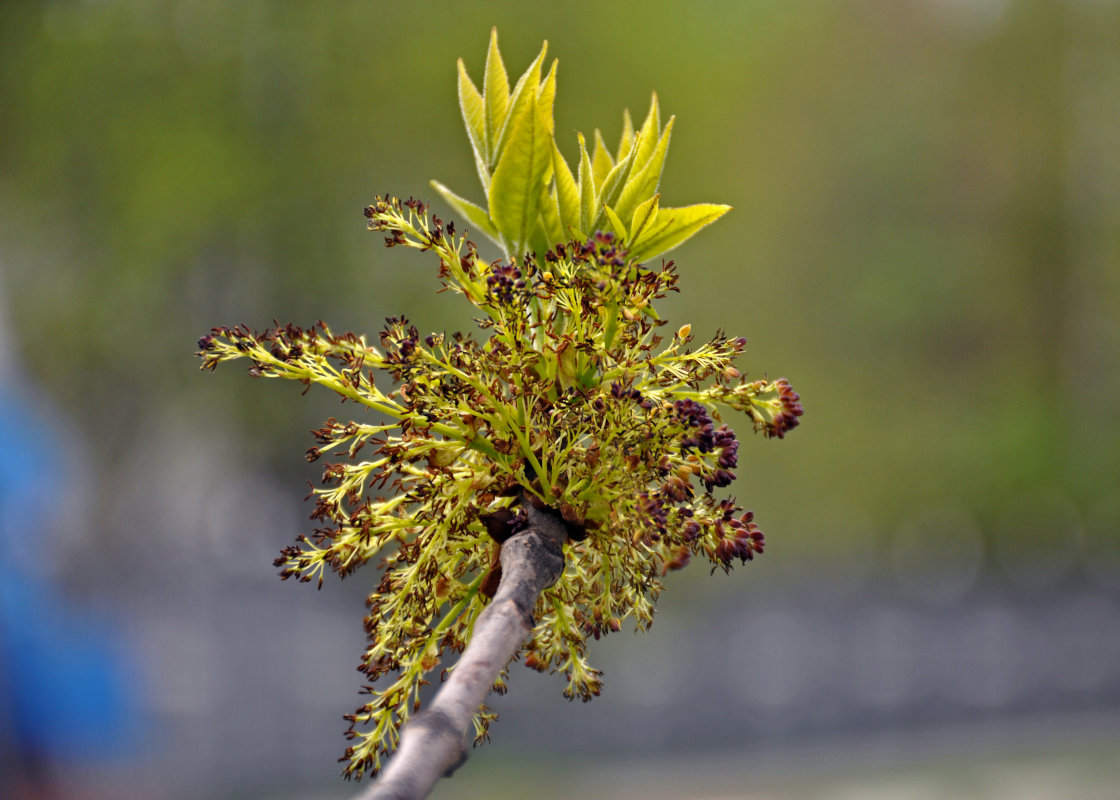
(627, 139)
(495, 98)
(526, 91)
(546, 95)
(641, 186)
(587, 194)
(475, 216)
(601, 161)
(673, 226)
(616, 224)
(650, 132)
(567, 193)
(644, 214)
(519, 178)
(474, 117)
(551, 224)
(612, 188)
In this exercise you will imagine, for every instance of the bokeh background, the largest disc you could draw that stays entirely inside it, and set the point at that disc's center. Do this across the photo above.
(925, 240)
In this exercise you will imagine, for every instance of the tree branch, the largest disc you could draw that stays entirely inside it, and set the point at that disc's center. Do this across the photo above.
(434, 742)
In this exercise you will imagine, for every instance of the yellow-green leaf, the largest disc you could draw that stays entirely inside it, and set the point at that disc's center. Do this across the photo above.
(544, 232)
(612, 188)
(650, 133)
(546, 96)
(483, 173)
(519, 179)
(644, 214)
(627, 139)
(567, 193)
(475, 216)
(643, 183)
(587, 194)
(495, 98)
(524, 93)
(617, 226)
(672, 226)
(474, 117)
(601, 161)
(551, 223)
(470, 104)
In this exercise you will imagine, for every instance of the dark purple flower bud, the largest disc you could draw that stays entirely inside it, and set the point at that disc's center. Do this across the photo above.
(505, 282)
(788, 416)
(717, 479)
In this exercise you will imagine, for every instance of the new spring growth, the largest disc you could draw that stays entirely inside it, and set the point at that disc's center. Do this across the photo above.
(569, 396)
(535, 200)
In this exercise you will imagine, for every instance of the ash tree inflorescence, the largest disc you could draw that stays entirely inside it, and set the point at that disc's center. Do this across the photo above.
(572, 396)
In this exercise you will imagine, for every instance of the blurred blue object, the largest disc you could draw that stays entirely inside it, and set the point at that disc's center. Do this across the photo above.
(65, 692)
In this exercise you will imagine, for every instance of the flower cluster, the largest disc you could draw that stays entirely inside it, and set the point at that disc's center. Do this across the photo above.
(573, 401)
(774, 407)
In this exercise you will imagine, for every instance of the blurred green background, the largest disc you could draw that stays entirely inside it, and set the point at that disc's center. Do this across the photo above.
(925, 240)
